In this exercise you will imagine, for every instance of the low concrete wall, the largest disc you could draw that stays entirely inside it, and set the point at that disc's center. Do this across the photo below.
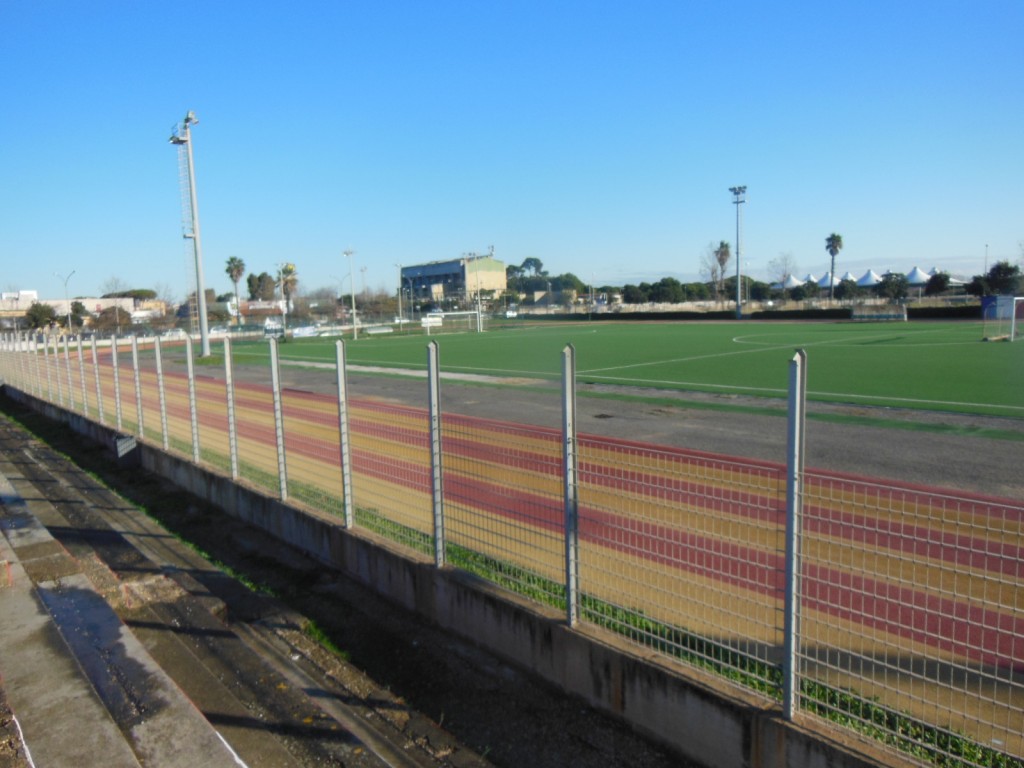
(701, 717)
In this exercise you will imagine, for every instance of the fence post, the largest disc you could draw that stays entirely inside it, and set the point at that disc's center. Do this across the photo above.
(81, 377)
(67, 372)
(117, 383)
(570, 480)
(341, 365)
(229, 392)
(46, 364)
(138, 386)
(96, 375)
(193, 410)
(794, 504)
(437, 472)
(275, 376)
(158, 350)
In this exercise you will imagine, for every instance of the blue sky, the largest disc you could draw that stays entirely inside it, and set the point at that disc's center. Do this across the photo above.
(601, 138)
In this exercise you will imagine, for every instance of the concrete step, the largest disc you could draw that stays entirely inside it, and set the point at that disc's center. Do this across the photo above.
(83, 688)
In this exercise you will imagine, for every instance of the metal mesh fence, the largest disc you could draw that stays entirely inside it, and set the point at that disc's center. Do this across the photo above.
(910, 623)
(681, 553)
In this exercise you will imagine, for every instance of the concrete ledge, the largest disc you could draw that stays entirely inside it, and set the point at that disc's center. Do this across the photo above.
(703, 718)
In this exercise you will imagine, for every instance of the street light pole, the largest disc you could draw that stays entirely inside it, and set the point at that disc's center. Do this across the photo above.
(67, 304)
(352, 289)
(739, 194)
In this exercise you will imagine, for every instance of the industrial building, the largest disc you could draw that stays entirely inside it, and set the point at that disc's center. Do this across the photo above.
(457, 279)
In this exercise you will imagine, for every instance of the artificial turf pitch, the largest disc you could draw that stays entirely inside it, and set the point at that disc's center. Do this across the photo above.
(930, 365)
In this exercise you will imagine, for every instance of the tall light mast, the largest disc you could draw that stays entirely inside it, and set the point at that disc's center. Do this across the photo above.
(739, 195)
(182, 137)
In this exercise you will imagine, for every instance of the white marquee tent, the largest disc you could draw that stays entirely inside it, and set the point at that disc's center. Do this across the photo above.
(869, 279)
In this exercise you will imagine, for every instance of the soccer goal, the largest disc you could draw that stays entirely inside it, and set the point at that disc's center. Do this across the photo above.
(1002, 315)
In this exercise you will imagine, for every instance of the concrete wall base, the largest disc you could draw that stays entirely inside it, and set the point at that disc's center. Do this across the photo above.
(703, 718)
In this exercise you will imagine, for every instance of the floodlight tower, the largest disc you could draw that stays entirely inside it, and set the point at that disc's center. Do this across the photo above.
(182, 137)
(352, 289)
(739, 197)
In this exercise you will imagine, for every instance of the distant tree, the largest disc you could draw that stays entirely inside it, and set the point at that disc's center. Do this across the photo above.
(668, 290)
(978, 286)
(833, 244)
(533, 265)
(847, 290)
(112, 320)
(893, 287)
(697, 292)
(722, 256)
(782, 267)
(40, 315)
(78, 314)
(235, 269)
(513, 272)
(261, 287)
(937, 284)
(1003, 278)
(811, 290)
(759, 291)
(631, 294)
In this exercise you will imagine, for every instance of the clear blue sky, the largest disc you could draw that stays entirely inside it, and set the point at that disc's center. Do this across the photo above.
(601, 138)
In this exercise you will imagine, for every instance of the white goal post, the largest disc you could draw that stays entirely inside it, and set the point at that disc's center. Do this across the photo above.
(1001, 316)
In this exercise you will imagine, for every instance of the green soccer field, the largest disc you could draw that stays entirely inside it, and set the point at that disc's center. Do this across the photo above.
(928, 365)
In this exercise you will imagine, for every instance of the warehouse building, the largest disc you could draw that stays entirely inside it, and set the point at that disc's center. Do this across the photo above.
(458, 279)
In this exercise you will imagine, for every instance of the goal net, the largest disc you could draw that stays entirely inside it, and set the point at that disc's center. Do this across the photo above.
(1001, 317)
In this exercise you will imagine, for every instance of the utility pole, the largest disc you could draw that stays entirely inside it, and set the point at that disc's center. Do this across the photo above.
(739, 194)
(352, 290)
(182, 137)
(400, 297)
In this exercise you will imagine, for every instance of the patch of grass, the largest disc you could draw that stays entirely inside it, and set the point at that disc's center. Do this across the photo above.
(924, 364)
(316, 633)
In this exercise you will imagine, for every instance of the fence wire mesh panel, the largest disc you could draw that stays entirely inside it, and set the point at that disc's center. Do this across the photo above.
(681, 553)
(503, 503)
(313, 449)
(912, 618)
(391, 471)
(257, 446)
(212, 413)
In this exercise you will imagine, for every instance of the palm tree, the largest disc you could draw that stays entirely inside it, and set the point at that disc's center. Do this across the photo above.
(722, 256)
(288, 279)
(236, 270)
(833, 244)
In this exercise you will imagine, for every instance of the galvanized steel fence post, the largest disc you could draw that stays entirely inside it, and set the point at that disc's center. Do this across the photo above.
(794, 501)
(162, 394)
(229, 393)
(570, 479)
(138, 386)
(67, 371)
(81, 377)
(275, 377)
(193, 409)
(341, 366)
(437, 472)
(96, 376)
(46, 362)
(117, 383)
(57, 372)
